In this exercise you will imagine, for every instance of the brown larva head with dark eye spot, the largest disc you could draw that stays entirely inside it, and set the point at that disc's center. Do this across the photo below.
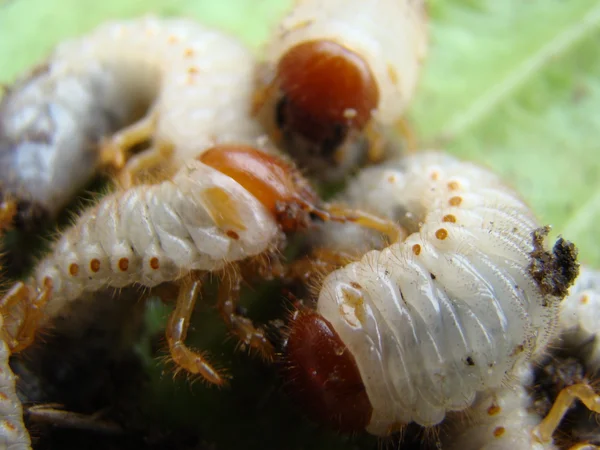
(322, 374)
(276, 184)
(327, 91)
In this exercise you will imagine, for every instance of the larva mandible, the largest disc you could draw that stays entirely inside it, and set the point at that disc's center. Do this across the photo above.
(417, 329)
(334, 72)
(195, 83)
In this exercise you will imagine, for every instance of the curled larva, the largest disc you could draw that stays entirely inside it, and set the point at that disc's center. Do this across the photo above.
(422, 326)
(335, 71)
(195, 84)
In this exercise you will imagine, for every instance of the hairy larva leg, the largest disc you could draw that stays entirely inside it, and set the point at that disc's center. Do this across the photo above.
(583, 392)
(176, 333)
(147, 160)
(584, 446)
(33, 313)
(114, 149)
(340, 213)
(242, 327)
(8, 209)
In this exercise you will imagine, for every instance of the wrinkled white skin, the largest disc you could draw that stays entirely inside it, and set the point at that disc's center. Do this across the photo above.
(176, 222)
(199, 81)
(431, 328)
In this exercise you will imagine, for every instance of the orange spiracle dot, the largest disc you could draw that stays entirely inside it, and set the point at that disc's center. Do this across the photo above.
(455, 201)
(499, 431)
(493, 410)
(232, 234)
(95, 265)
(74, 269)
(449, 218)
(123, 264)
(154, 263)
(441, 234)
(416, 249)
(327, 89)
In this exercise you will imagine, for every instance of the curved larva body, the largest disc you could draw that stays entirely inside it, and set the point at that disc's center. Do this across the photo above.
(579, 318)
(452, 309)
(13, 434)
(196, 80)
(199, 220)
(389, 34)
(498, 420)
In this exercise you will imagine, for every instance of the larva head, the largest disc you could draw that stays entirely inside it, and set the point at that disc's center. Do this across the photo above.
(328, 90)
(323, 376)
(276, 184)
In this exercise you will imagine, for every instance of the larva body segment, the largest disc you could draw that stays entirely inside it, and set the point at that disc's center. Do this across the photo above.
(196, 82)
(200, 220)
(452, 309)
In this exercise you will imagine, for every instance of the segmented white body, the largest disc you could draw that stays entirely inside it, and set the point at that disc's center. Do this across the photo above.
(13, 434)
(390, 35)
(498, 420)
(197, 81)
(201, 220)
(452, 309)
(579, 317)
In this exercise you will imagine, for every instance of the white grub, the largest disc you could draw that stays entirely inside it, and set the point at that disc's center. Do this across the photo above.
(391, 35)
(200, 220)
(194, 82)
(451, 311)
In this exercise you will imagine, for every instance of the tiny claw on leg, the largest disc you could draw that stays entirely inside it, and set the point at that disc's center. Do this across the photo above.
(581, 391)
(176, 333)
(242, 327)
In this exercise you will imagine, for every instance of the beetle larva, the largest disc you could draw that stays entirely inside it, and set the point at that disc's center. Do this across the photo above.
(335, 71)
(422, 326)
(195, 83)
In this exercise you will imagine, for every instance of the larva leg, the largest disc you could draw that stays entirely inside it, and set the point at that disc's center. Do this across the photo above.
(53, 415)
(340, 213)
(584, 446)
(583, 392)
(242, 327)
(176, 333)
(149, 159)
(20, 294)
(376, 142)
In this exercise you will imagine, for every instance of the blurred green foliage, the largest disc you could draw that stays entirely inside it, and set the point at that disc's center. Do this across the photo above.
(512, 84)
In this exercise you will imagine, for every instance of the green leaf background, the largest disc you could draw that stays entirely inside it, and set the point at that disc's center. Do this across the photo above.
(512, 84)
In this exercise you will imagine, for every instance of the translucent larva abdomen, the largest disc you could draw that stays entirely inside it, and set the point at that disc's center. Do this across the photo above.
(451, 310)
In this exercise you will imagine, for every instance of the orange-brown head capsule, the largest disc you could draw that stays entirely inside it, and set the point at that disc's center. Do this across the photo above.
(323, 375)
(327, 90)
(274, 183)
